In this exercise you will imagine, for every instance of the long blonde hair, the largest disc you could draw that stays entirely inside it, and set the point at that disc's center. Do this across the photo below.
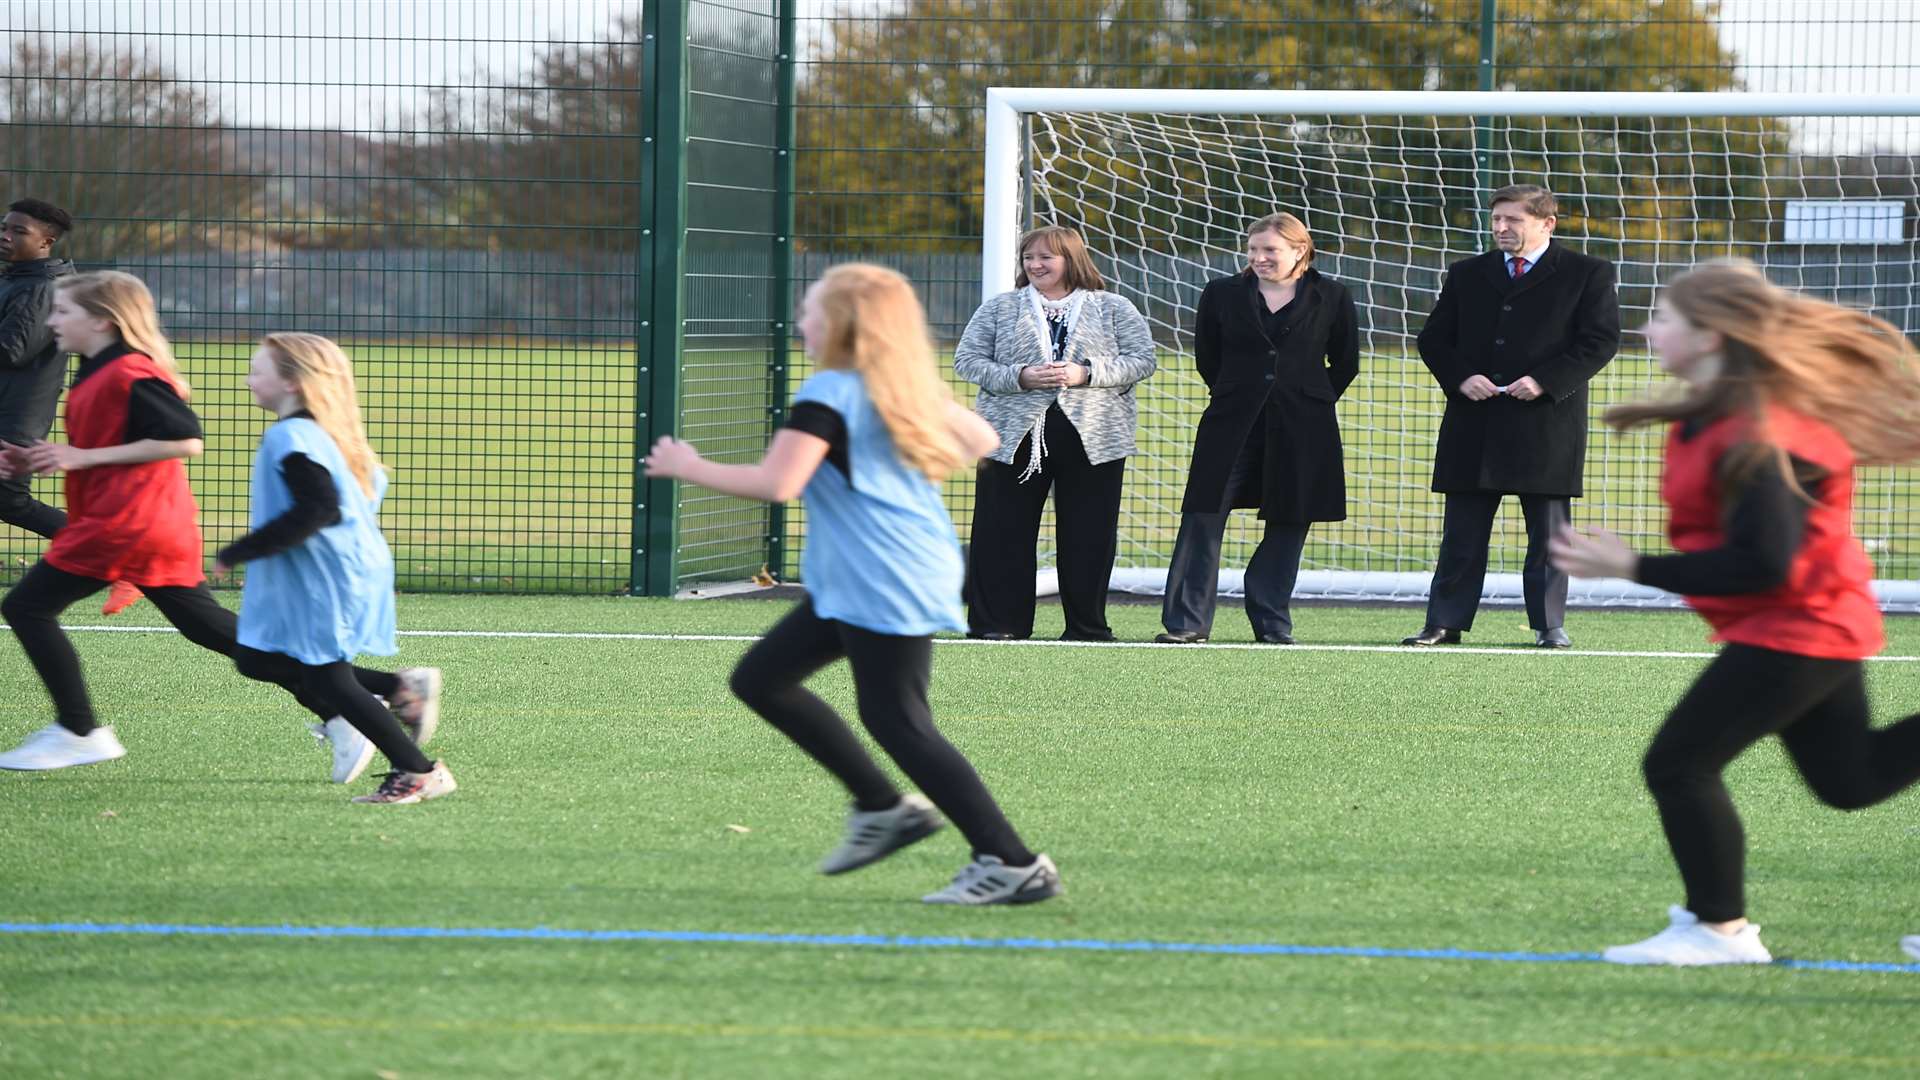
(875, 326)
(124, 301)
(1853, 371)
(325, 377)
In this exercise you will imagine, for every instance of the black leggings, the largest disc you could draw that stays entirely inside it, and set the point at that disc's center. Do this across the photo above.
(33, 606)
(890, 677)
(337, 690)
(1819, 710)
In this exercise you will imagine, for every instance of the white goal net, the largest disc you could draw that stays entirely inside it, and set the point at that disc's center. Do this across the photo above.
(1819, 190)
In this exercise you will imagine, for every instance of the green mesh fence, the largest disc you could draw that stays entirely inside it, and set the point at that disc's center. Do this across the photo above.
(738, 185)
(445, 188)
(455, 191)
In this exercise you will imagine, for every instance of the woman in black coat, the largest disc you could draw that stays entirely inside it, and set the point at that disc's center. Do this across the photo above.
(1276, 344)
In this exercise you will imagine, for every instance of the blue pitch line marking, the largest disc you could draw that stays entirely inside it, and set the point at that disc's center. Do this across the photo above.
(1217, 646)
(886, 941)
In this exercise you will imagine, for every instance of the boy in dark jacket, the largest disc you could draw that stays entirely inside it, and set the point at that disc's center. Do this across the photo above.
(32, 367)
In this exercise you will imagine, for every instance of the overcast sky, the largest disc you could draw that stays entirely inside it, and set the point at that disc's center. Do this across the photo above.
(359, 64)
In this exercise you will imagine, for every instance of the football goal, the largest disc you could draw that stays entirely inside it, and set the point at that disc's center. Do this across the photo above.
(1820, 190)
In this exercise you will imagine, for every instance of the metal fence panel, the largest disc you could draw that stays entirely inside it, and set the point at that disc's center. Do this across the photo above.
(445, 187)
(453, 190)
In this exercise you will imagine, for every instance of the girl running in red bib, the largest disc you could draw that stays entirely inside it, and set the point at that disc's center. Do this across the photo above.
(1784, 394)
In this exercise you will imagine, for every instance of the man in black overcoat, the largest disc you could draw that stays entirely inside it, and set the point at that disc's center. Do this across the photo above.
(1513, 340)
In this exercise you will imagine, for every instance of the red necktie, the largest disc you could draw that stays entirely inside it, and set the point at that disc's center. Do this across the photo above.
(1517, 267)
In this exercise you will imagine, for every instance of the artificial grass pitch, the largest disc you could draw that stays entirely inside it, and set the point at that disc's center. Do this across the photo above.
(1400, 800)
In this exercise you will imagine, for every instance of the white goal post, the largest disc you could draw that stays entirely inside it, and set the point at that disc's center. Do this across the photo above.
(1821, 189)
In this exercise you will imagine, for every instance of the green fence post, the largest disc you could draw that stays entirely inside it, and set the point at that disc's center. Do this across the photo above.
(658, 337)
(782, 295)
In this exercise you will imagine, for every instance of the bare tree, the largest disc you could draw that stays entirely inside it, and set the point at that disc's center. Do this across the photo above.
(549, 160)
(124, 144)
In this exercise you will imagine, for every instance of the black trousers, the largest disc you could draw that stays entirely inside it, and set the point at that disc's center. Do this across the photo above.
(19, 507)
(1819, 710)
(1001, 555)
(890, 678)
(33, 606)
(1461, 570)
(1193, 578)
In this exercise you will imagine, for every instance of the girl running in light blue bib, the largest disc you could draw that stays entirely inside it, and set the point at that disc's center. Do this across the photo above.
(870, 436)
(320, 588)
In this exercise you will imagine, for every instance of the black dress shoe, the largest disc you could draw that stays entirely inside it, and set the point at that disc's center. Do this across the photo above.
(1275, 639)
(1108, 636)
(1555, 638)
(1180, 637)
(990, 635)
(1433, 635)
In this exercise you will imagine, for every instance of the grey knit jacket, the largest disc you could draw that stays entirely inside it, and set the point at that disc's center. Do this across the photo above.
(1110, 336)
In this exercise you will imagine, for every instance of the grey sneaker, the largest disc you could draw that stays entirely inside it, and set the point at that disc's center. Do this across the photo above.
(874, 835)
(1911, 943)
(987, 880)
(417, 703)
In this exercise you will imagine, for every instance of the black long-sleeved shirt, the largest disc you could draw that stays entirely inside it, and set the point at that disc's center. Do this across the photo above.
(1765, 524)
(316, 505)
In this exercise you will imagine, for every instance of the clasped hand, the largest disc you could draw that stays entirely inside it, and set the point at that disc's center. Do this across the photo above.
(1054, 376)
(1480, 388)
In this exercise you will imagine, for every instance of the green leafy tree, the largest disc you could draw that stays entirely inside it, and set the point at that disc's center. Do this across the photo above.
(891, 112)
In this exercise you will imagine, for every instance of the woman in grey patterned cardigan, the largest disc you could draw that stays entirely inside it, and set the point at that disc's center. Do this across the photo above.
(1056, 361)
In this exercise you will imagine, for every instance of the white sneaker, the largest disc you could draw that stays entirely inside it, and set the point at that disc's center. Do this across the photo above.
(873, 835)
(417, 703)
(1686, 943)
(987, 880)
(54, 747)
(351, 750)
(1911, 943)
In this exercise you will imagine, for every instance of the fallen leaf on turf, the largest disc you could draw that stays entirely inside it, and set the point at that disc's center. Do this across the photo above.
(738, 829)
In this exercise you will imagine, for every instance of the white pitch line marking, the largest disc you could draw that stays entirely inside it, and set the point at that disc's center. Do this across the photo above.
(1216, 646)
